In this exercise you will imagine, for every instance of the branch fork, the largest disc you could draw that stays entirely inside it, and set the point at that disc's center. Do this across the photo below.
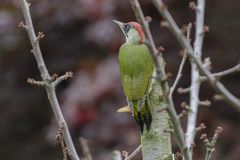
(54, 80)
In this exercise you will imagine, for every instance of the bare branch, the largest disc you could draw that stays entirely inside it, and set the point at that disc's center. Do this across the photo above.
(158, 60)
(195, 83)
(183, 90)
(218, 86)
(221, 74)
(33, 39)
(200, 127)
(179, 74)
(134, 153)
(85, 149)
(183, 113)
(62, 78)
(50, 88)
(34, 82)
(218, 97)
(204, 103)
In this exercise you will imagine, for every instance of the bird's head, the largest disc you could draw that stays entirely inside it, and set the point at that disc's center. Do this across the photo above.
(132, 31)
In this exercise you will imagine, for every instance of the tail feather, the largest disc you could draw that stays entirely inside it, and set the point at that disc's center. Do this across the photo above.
(142, 117)
(137, 116)
(147, 116)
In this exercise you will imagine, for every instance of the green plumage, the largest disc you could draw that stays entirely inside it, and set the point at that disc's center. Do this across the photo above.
(136, 68)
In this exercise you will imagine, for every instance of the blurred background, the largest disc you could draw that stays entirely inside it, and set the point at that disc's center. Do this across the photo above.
(81, 37)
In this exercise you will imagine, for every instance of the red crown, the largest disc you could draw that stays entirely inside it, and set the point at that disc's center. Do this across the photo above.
(139, 29)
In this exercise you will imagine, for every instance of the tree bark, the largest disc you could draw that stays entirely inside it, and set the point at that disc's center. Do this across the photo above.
(156, 144)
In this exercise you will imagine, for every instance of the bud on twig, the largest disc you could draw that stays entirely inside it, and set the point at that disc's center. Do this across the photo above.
(34, 82)
(161, 49)
(206, 29)
(148, 19)
(205, 103)
(192, 5)
(183, 113)
(183, 90)
(218, 97)
(164, 24)
(40, 36)
(207, 63)
(201, 127)
(22, 25)
(185, 106)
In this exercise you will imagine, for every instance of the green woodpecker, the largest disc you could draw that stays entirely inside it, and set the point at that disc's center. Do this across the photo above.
(136, 69)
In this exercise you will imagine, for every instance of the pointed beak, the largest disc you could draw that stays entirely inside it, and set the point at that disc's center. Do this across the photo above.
(120, 24)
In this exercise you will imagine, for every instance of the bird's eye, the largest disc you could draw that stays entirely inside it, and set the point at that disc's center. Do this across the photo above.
(127, 27)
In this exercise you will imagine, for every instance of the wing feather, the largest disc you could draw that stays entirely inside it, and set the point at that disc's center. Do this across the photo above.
(136, 68)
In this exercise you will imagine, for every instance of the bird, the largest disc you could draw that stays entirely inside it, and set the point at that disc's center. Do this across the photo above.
(136, 70)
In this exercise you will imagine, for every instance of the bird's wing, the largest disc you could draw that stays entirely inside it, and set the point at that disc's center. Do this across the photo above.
(136, 67)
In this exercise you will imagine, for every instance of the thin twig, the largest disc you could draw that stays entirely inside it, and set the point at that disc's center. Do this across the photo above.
(183, 90)
(205, 103)
(218, 86)
(179, 74)
(221, 74)
(134, 153)
(195, 83)
(34, 82)
(158, 60)
(85, 149)
(210, 145)
(62, 78)
(46, 78)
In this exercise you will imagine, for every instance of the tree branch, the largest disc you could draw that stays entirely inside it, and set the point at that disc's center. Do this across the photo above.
(210, 145)
(195, 83)
(49, 84)
(134, 153)
(62, 78)
(85, 149)
(158, 60)
(221, 74)
(218, 86)
(179, 74)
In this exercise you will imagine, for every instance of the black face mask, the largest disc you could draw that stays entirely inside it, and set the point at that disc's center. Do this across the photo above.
(126, 29)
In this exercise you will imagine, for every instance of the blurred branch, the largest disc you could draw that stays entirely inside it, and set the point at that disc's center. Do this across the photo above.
(85, 149)
(221, 74)
(159, 64)
(134, 153)
(116, 155)
(47, 80)
(218, 86)
(195, 83)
